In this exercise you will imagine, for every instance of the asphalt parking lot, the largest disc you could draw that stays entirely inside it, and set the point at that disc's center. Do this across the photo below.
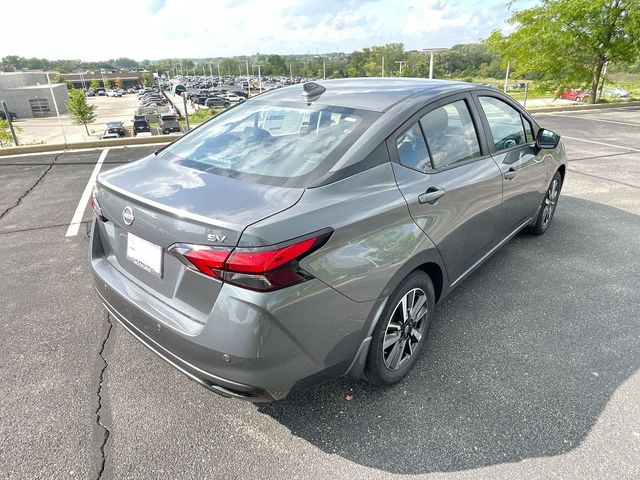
(533, 368)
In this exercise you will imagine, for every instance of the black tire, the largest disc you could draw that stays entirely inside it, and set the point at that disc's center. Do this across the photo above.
(548, 207)
(383, 367)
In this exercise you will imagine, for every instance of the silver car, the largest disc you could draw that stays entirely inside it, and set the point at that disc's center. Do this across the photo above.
(310, 232)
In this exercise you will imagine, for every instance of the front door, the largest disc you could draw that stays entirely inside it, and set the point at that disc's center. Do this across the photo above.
(522, 165)
(453, 191)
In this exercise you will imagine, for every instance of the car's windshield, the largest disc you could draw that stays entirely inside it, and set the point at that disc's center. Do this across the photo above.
(283, 141)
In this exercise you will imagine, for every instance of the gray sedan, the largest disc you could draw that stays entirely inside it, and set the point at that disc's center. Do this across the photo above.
(310, 232)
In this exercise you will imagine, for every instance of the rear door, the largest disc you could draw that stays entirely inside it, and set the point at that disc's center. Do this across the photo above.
(451, 184)
(511, 141)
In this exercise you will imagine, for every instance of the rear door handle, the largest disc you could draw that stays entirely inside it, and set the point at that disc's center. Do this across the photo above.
(510, 174)
(432, 195)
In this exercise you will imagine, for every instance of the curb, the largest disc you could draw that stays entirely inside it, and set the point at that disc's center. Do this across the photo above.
(56, 147)
(576, 108)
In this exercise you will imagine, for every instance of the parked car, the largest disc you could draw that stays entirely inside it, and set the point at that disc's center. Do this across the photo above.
(90, 93)
(233, 98)
(109, 135)
(3, 116)
(117, 128)
(311, 234)
(216, 102)
(169, 123)
(101, 92)
(575, 95)
(140, 125)
(617, 92)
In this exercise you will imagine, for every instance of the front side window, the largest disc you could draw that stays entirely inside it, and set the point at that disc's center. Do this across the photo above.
(451, 134)
(261, 139)
(505, 123)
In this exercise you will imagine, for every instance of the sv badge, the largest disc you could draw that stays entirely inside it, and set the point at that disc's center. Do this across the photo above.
(216, 238)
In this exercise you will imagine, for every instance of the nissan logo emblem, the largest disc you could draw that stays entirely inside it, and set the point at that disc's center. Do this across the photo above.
(127, 215)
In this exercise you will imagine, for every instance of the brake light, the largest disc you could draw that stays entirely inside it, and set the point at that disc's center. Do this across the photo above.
(95, 206)
(261, 269)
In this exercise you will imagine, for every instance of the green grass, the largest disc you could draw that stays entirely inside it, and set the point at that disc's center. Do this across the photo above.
(201, 115)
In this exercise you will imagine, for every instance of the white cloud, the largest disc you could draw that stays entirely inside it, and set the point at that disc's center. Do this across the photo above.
(200, 28)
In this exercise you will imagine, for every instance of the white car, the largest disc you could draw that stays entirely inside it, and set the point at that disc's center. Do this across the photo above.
(113, 93)
(109, 136)
(617, 92)
(233, 98)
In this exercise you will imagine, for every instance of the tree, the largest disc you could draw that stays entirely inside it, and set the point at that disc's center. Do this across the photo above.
(118, 82)
(81, 112)
(94, 84)
(107, 83)
(569, 41)
(5, 133)
(146, 79)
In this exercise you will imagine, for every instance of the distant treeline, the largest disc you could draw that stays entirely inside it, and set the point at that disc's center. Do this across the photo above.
(468, 60)
(464, 61)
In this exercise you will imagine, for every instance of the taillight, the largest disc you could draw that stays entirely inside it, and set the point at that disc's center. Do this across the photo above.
(261, 269)
(95, 206)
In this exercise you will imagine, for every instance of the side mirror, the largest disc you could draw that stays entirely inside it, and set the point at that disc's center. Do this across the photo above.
(546, 139)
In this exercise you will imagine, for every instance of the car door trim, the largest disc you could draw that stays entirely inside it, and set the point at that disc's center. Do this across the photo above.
(491, 252)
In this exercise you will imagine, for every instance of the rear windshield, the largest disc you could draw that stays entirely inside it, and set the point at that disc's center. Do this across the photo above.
(280, 144)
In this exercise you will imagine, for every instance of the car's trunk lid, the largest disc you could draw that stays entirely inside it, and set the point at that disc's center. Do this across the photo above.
(167, 203)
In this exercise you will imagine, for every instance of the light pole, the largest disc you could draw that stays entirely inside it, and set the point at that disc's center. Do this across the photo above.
(432, 52)
(219, 78)
(383, 66)
(246, 61)
(259, 75)
(506, 77)
(55, 105)
(401, 63)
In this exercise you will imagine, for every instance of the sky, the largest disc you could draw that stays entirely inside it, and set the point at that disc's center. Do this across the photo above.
(155, 29)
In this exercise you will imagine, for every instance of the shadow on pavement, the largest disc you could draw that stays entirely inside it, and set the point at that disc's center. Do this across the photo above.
(520, 361)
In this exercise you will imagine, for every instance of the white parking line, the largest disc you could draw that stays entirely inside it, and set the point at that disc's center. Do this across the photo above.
(601, 143)
(585, 117)
(74, 226)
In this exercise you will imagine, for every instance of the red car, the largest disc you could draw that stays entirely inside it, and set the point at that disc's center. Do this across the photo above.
(575, 95)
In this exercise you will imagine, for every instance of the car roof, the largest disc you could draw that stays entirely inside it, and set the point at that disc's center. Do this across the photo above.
(377, 94)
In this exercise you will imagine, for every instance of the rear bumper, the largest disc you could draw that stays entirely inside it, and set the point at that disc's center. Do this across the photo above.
(221, 386)
(250, 345)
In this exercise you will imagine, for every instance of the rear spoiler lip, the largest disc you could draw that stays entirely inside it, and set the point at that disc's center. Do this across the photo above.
(177, 212)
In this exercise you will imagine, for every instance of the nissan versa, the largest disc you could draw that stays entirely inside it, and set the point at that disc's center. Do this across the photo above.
(309, 232)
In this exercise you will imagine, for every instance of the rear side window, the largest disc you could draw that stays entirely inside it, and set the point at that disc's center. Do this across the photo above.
(412, 149)
(451, 134)
(505, 122)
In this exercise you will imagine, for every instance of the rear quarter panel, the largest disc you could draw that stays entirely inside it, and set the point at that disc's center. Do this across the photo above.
(374, 235)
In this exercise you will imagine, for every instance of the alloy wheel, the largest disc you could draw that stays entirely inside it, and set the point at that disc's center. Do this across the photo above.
(550, 202)
(404, 329)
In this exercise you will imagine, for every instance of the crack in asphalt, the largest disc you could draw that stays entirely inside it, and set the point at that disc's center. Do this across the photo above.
(45, 227)
(22, 197)
(98, 412)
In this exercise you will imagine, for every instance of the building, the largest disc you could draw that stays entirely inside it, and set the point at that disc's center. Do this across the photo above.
(128, 79)
(27, 94)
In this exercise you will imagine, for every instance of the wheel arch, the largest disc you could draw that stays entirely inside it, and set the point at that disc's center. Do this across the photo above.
(562, 169)
(428, 261)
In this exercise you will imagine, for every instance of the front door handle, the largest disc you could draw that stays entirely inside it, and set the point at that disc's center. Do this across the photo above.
(511, 173)
(432, 195)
